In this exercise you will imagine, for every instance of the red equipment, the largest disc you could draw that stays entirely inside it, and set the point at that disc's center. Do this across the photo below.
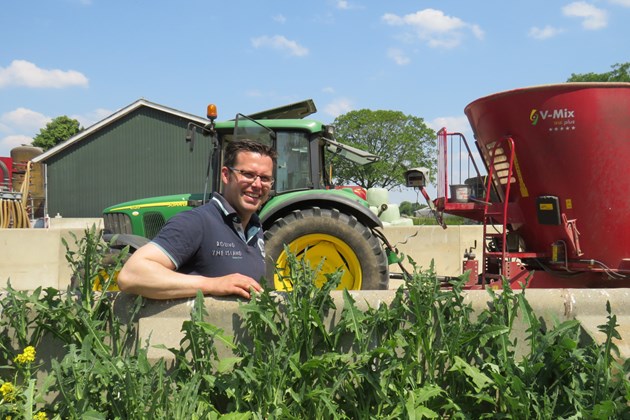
(6, 173)
(556, 199)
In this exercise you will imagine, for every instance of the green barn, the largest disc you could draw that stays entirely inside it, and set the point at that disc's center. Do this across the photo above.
(139, 151)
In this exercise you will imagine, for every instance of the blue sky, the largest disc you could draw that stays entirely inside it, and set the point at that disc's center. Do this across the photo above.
(88, 58)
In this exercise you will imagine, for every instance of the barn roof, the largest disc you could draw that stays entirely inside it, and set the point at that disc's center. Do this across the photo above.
(114, 117)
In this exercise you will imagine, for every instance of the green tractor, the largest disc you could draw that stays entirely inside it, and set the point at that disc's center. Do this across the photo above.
(322, 224)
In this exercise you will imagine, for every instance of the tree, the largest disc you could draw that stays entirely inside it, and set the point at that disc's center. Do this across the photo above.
(58, 130)
(401, 141)
(408, 208)
(619, 73)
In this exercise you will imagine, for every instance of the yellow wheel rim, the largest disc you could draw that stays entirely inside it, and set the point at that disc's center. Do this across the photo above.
(98, 287)
(329, 250)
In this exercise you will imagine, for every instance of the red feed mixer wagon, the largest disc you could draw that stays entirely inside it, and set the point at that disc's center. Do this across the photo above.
(555, 203)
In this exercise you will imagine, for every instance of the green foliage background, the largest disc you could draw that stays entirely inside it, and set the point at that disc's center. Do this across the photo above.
(401, 141)
(57, 131)
(619, 73)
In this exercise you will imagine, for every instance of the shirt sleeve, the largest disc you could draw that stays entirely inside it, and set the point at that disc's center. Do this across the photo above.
(180, 237)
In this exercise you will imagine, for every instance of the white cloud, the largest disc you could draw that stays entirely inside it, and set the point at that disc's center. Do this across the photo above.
(342, 4)
(477, 31)
(279, 19)
(328, 89)
(22, 124)
(22, 119)
(624, 3)
(593, 18)
(544, 33)
(398, 56)
(434, 27)
(9, 142)
(338, 106)
(278, 42)
(24, 73)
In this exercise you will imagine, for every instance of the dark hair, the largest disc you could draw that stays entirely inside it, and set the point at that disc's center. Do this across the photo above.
(233, 148)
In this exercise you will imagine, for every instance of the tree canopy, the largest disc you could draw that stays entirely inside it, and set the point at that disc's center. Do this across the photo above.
(408, 208)
(401, 141)
(619, 73)
(58, 130)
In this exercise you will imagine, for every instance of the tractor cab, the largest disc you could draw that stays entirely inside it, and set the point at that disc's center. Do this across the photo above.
(303, 146)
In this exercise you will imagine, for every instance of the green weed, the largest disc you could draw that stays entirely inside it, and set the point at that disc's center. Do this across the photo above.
(304, 354)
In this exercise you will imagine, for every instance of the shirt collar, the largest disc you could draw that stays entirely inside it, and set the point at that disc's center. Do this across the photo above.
(229, 212)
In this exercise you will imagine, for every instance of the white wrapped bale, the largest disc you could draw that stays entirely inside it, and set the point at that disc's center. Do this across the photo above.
(392, 213)
(377, 197)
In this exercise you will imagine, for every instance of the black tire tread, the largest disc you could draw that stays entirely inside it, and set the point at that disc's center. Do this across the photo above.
(331, 221)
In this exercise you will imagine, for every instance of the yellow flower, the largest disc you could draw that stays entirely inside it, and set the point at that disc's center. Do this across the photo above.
(28, 356)
(7, 389)
(40, 416)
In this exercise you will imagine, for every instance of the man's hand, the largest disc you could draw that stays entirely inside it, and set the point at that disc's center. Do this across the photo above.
(233, 284)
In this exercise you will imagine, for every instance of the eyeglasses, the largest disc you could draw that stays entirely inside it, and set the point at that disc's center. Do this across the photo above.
(250, 177)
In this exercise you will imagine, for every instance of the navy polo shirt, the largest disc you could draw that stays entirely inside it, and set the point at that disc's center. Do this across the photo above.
(210, 240)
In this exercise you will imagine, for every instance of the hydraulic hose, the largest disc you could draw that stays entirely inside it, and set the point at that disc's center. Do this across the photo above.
(13, 212)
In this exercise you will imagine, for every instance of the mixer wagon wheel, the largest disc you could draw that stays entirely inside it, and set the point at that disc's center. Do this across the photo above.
(334, 239)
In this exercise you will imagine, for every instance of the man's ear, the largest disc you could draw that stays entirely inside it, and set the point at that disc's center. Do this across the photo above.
(225, 174)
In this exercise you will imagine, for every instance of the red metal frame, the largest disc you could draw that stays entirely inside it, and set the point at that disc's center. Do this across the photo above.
(499, 264)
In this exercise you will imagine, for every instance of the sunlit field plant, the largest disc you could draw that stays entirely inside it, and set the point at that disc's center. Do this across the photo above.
(303, 354)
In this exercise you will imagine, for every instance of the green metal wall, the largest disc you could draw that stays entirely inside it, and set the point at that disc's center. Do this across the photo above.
(143, 154)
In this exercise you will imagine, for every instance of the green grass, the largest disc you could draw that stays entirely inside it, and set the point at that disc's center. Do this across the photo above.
(424, 355)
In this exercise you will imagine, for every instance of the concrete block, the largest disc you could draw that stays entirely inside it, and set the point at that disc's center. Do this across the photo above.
(37, 257)
(31, 258)
(589, 307)
(161, 321)
(446, 247)
(75, 223)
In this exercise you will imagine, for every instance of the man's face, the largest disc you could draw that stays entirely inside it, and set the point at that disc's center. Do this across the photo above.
(246, 196)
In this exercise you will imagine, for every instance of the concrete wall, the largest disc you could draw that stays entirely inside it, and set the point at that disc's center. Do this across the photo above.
(445, 246)
(160, 322)
(36, 257)
(30, 258)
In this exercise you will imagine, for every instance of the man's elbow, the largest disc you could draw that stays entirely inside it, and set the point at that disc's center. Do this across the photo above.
(125, 283)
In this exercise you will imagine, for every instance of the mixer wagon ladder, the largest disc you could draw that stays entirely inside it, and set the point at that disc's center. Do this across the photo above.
(492, 208)
(501, 262)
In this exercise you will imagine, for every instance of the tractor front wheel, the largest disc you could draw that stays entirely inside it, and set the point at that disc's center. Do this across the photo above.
(334, 239)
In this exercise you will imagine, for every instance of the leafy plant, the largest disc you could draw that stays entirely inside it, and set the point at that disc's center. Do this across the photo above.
(309, 353)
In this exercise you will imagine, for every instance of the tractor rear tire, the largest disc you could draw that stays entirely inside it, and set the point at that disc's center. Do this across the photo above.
(338, 239)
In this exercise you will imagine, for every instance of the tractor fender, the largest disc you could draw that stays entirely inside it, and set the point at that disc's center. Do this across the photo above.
(122, 240)
(274, 210)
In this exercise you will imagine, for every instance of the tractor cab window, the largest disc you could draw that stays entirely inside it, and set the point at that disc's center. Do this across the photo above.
(293, 169)
(293, 164)
(246, 128)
